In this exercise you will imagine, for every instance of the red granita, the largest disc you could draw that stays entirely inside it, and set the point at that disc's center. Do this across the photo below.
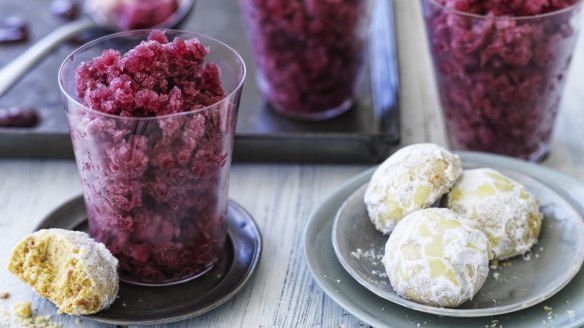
(145, 13)
(308, 53)
(65, 9)
(500, 74)
(155, 179)
(133, 14)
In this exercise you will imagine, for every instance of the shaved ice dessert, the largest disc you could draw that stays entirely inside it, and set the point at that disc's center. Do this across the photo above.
(153, 141)
(133, 14)
(500, 67)
(308, 54)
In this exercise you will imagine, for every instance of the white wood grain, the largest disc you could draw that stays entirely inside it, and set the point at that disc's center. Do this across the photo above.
(280, 197)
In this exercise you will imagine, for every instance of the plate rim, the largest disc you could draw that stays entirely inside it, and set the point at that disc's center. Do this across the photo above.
(317, 222)
(73, 202)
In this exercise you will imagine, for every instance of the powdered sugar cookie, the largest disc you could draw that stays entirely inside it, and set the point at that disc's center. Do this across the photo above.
(437, 257)
(76, 273)
(412, 178)
(508, 214)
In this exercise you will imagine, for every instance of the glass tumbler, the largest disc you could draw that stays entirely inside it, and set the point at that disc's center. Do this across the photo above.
(500, 78)
(156, 187)
(308, 54)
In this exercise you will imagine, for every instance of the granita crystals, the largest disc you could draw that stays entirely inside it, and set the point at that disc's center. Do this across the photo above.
(500, 66)
(308, 54)
(153, 151)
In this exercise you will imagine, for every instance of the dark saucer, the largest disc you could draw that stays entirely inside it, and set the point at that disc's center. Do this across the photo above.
(139, 305)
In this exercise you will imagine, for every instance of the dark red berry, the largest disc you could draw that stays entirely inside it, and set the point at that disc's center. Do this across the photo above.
(18, 117)
(65, 9)
(13, 30)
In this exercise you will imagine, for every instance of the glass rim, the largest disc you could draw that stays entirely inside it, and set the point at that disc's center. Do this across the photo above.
(131, 118)
(507, 18)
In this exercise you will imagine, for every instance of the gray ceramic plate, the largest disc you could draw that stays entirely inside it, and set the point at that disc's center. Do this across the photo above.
(518, 283)
(564, 309)
(138, 305)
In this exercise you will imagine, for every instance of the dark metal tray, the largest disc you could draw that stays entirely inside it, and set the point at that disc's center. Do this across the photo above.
(365, 134)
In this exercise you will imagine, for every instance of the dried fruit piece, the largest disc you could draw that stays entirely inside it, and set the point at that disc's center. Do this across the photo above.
(18, 117)
(13, 30)
(65, 9)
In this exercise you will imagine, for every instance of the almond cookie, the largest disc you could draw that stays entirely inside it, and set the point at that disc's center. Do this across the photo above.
(412, 178)
(76, 273)
(508, 214)
(437, 257)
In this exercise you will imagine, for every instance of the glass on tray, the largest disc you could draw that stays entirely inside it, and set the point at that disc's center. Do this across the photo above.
(155, 187)
(308, 55)
(500, 77)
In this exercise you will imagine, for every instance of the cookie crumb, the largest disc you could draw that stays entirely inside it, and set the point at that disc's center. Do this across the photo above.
(23, 309)
(549, 311)
(494, 264)
(494, 324)
(4, 295)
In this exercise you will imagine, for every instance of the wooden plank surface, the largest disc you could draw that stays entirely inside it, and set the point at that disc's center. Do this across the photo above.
(281, 197)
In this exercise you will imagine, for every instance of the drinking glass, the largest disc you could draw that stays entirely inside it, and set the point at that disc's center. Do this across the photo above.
(308, 54)
(156, 187)
(500, 79)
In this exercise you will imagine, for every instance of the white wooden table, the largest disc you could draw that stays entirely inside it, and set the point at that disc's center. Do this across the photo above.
(282, 293)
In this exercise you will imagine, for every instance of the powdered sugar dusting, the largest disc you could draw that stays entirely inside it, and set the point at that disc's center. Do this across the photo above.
(373, 257)
(412, 178)
(98, 263)
(571, 314)
(507, 212)
(437, 257)
(370, 255)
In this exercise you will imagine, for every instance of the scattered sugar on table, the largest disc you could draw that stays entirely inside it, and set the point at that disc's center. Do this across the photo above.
(571, 314)
(550, 313)
(494, 324)
(22, 316)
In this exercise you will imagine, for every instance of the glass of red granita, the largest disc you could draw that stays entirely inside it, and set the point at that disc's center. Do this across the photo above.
(308, 54)
(500, 68)
(152, 117)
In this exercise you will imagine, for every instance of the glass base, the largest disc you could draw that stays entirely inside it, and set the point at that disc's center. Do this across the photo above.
(169, 283)
(315, 116)
(540, 155)
(537, 156)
